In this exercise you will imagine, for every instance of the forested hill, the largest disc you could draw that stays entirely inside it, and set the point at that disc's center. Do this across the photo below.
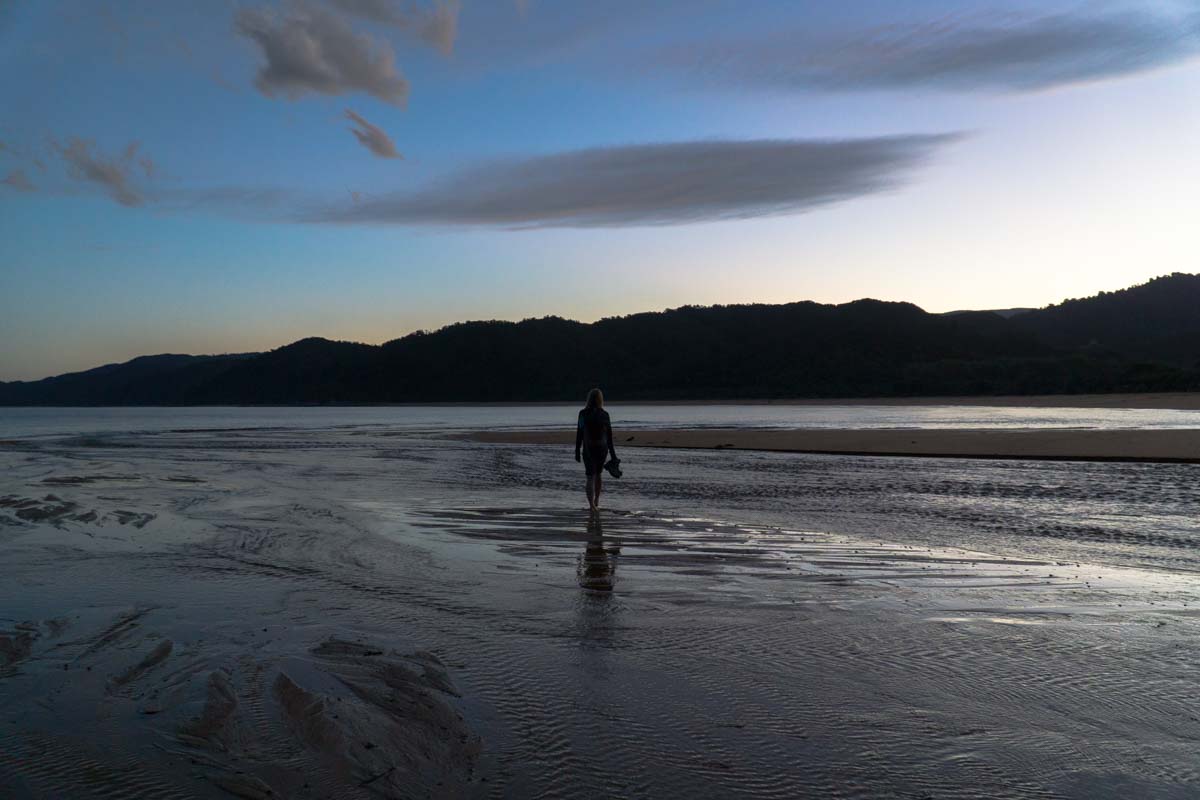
(1156, 321)
(1146, 338)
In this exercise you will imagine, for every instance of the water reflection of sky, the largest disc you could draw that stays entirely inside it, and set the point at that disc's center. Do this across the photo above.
(16, 422)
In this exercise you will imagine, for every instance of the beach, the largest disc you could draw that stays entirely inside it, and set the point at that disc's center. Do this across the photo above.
(442, 400)
(1162, 446)
(1116, 400)
(1177, 400)
(326, 603)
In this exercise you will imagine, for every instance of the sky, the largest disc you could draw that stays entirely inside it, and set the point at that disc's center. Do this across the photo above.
(210, 176)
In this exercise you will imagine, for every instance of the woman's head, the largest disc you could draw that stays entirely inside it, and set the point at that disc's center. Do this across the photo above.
(595, 399)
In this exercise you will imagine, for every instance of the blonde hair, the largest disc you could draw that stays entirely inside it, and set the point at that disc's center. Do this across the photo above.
(595, 399)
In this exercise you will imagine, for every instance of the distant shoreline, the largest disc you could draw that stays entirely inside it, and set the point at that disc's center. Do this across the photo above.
(1147, 446)
(1182, 401)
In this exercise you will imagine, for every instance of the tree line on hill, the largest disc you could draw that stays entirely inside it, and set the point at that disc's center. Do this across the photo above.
(1142, 339)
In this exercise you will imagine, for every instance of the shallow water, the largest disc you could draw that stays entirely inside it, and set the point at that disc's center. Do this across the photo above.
(251, 606)
(21, 422)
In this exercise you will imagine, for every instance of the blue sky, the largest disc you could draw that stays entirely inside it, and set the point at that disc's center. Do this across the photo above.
(182, 176)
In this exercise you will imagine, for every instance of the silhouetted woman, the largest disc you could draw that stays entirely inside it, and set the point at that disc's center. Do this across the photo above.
(594, 443)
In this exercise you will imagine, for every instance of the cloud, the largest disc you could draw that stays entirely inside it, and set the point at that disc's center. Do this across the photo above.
(371, 137)
(386, 12)
(308, 49)
(1010, 53)
(112, 174)
(440, 27)
(240, 201)
(653, 184)
(436, 25)
(17, 179)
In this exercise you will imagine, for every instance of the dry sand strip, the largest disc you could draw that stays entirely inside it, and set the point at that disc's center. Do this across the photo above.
(1178, 401)
(1182, 401)
(1163, 446)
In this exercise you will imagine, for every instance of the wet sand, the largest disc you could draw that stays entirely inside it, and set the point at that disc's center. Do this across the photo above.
(1152, 446)
(345, 612)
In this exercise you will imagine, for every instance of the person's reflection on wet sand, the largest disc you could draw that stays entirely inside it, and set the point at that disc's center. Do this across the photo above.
(598, 564)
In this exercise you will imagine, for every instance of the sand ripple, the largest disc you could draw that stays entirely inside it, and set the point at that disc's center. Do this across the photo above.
(343, 614)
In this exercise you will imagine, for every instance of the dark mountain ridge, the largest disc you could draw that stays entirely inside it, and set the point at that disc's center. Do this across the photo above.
(167, 379)
(1156, 321)
(1145, 338)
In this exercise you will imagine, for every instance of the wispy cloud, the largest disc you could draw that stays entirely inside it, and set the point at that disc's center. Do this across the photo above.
(387, 12)
(112, 174)
(435, 24)
(654, 184)
(309, 49)
(372, 137)
(1004, 53)
(440, 27)
(17, 179)
(256, 203)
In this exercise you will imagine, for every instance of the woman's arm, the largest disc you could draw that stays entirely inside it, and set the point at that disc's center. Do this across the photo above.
(608, 427)
(578, 435)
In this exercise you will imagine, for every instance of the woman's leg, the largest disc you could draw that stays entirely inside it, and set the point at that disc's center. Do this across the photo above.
(591, 494)
(598, 486)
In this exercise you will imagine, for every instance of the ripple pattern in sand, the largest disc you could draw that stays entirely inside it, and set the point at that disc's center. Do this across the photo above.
(642, 691)
(693, 644)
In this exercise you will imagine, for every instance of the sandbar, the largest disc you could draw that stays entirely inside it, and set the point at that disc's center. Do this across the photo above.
(1160, 446)
(1183, 401)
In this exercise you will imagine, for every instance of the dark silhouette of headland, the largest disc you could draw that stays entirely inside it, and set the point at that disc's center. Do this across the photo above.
(1142, 339)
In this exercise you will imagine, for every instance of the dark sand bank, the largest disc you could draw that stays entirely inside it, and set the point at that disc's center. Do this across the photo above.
(1182, 401)
(1166, 446)
(1185, 401)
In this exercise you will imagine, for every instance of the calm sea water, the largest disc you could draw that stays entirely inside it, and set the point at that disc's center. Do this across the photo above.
(23, 422)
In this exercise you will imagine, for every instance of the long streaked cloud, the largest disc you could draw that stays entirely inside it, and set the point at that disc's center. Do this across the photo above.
(17, 179)
(653, 184)
(372, 137)
(113, 174)
(1004, 53)
(436, 24)
(308, 49)
(257, 203)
